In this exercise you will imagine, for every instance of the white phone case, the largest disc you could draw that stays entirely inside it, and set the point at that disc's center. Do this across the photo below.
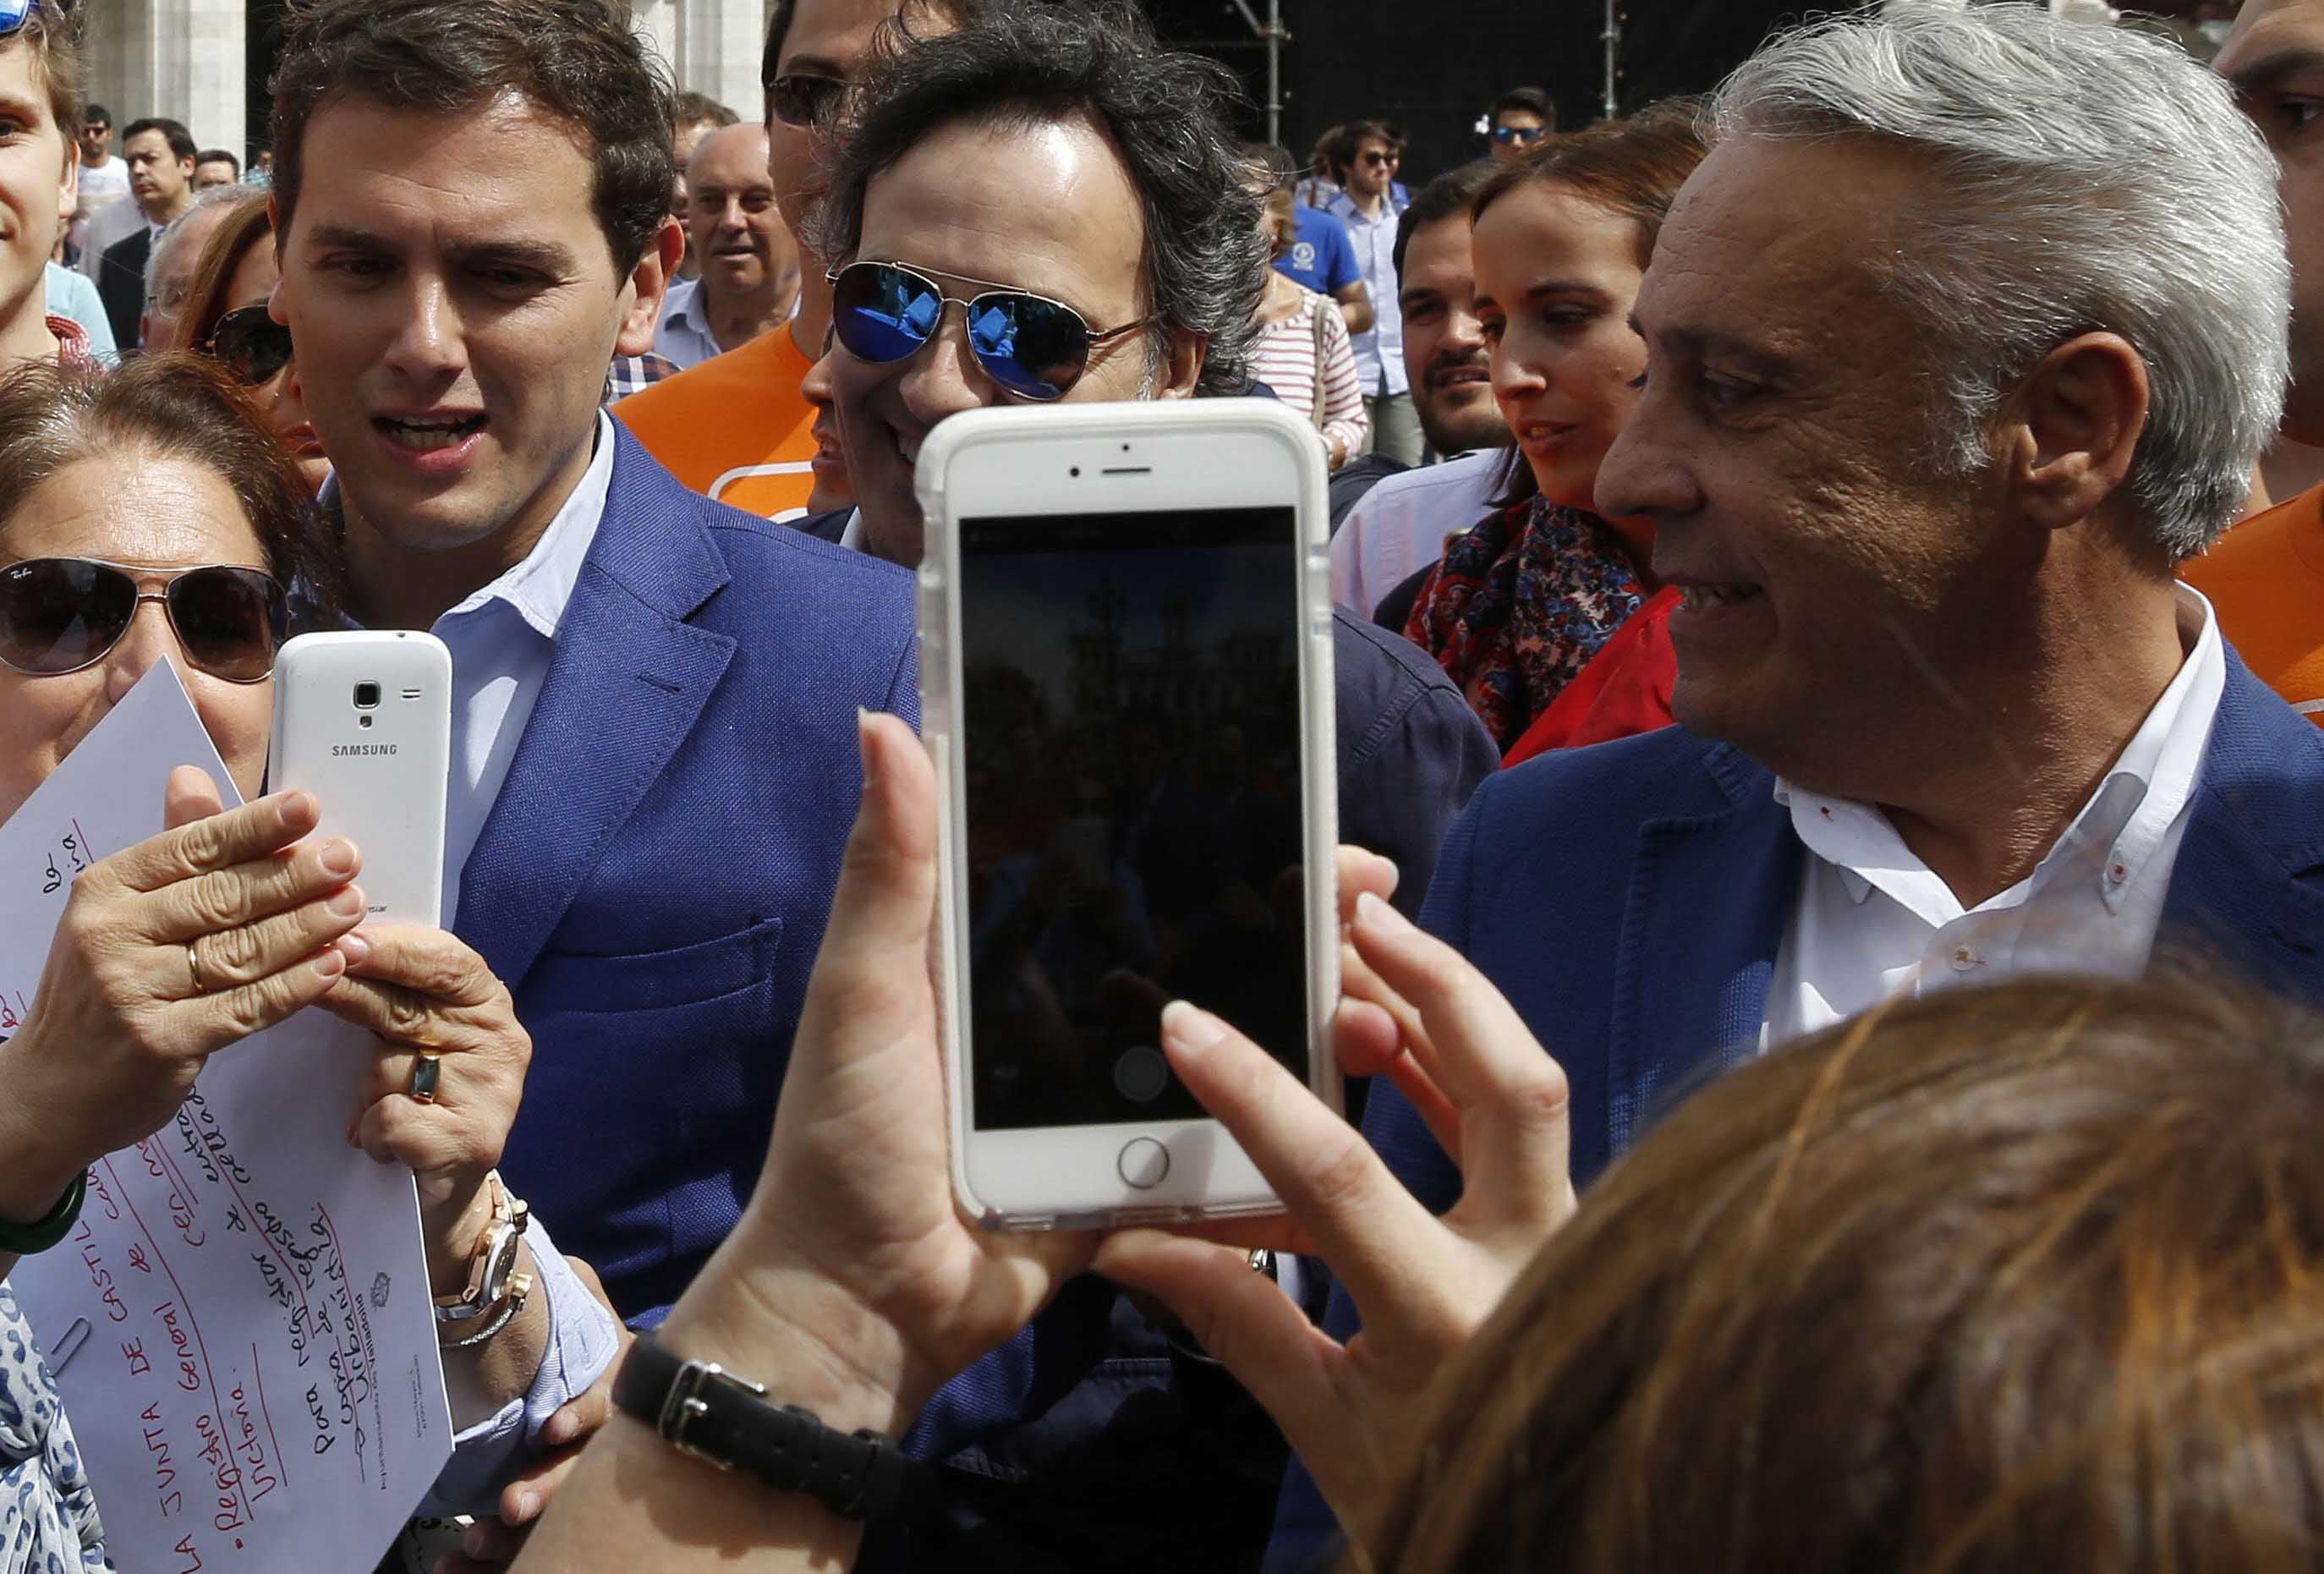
(1083, 458)
(380, 771)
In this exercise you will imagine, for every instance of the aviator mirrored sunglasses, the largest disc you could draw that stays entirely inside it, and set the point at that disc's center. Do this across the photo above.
(1034, 347)
(251, 344)
(60, 614)
(14, 13)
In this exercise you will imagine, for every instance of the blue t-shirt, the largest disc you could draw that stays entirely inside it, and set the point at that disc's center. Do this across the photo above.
(1320, 257)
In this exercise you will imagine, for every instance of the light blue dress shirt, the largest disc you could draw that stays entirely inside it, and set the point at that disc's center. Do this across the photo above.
(1380, 351)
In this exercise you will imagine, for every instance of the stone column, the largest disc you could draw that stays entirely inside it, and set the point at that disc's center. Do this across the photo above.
(712, 46)
(182, 59)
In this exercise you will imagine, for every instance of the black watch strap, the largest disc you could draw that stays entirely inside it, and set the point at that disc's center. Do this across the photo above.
(702, 1409)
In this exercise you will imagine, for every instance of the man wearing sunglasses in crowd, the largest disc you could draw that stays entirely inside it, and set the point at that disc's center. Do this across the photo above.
(1042, 207)
(1517, 122)
(737, 429)
(654, 758)
(1371, 206)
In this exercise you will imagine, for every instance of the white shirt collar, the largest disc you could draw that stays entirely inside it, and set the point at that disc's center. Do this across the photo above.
(2116, 836)
(539, 588)
(850, 534)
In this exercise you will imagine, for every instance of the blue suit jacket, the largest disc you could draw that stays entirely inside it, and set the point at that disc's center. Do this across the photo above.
(1629, 900)
(653, 879)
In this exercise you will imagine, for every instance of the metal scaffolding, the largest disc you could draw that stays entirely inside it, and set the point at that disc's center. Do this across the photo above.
(1272, 35)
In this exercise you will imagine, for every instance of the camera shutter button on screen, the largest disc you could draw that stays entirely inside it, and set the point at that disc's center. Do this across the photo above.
(1142, 1075)
(1144, 1164)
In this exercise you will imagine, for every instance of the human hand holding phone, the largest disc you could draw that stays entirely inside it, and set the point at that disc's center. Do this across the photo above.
(855, 1258)
(1418, 1012)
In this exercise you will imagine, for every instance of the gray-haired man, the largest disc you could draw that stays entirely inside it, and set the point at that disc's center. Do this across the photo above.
(1946, 714)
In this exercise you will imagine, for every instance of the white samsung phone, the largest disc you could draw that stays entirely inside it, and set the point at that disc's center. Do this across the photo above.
(363, 721)
(1126, 684)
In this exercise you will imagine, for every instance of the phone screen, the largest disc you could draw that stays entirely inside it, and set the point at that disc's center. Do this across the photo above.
(1131, 717)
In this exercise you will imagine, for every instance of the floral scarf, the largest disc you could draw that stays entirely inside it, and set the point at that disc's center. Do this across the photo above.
(1520, 604)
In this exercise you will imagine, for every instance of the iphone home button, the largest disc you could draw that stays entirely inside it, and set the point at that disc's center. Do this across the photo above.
(1143, 1163)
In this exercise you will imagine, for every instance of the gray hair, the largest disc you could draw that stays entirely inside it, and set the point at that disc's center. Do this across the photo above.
(174, 232)
(2089, 178)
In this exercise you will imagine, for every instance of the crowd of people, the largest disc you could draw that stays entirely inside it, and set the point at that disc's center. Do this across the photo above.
(1827, 731)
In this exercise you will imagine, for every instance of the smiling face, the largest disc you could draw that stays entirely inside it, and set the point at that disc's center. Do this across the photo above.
(738, 238)
(1047, 208)
(1827, 573)
(143, 511)
(1556, 278)
(2275, 61)
(36, 170)
(455, 305)
(1445, 353)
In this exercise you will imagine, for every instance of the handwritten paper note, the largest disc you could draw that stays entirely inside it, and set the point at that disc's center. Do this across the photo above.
(240, 1322)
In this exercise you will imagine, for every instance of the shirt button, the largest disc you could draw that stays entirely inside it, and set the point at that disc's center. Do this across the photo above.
(2117, 874)
(1965, 957)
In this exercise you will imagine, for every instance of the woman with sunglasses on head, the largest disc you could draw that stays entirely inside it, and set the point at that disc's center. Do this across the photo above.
(1525, 603)
(226, 318)
(150, 518)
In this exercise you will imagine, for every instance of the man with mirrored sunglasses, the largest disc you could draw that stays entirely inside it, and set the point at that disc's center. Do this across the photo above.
(997, 244)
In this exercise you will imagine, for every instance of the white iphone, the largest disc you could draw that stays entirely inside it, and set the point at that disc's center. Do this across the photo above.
(363, 721)
(1126, 684)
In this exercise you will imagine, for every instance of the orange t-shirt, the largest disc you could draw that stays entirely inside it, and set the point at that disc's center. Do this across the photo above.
(2265, 579)
(736, 427)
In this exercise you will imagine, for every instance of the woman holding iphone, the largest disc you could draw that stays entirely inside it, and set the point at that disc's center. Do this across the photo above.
(1527, 599)
(154, 518)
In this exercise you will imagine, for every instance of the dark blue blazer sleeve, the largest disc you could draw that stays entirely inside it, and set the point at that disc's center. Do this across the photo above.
(1411, 751)
(1305, 1529)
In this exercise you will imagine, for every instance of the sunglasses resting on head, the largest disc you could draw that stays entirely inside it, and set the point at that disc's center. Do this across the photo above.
(62, 614)
(1034, 347)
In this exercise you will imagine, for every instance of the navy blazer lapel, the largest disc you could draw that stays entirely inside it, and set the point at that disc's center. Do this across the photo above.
(628, 680)
(2248, 886)
(1710, 900)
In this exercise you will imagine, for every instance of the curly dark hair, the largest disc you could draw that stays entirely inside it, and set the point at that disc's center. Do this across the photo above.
(575, 60)
(1168, 115)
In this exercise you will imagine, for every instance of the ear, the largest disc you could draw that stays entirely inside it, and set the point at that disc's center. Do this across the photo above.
(2078, 417)
(1181, 366)
(650, 281)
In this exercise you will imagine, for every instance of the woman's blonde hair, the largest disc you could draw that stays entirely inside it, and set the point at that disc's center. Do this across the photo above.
(2013, 1279)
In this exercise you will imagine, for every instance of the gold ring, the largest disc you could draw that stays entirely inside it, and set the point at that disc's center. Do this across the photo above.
(194, 971)
(426, 1072)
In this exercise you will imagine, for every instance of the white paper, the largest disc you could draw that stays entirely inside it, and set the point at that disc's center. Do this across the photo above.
(240, 1322)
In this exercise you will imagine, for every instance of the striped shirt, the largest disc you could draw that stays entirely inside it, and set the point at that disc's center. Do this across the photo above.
(1284, 358)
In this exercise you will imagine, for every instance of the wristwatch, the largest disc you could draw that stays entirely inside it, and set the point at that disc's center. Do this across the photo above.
(495, 1292)
(702, 1409)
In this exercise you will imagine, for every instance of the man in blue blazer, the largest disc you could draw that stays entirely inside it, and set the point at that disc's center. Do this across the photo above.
(1946, 714)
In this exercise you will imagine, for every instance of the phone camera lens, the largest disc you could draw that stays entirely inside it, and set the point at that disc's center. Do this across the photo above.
(366, 696)
(1074, 472)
